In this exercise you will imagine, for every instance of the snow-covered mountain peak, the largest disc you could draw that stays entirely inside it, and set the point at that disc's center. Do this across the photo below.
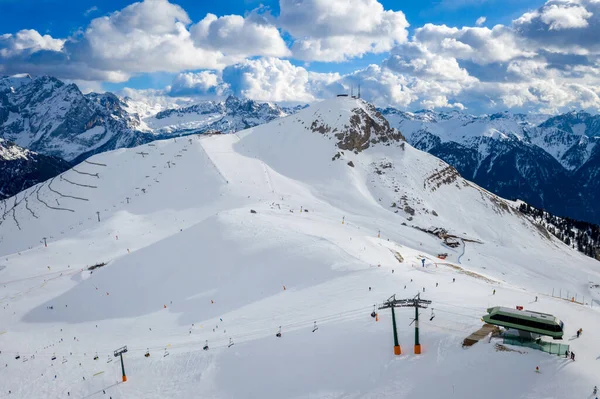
(10, 151)
(354, 123)
(11, 83)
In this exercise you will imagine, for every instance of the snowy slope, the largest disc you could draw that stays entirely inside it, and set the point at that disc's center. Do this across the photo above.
(189, 262)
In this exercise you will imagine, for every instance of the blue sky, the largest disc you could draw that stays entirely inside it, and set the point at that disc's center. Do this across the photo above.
(63, 17)
(410, 54)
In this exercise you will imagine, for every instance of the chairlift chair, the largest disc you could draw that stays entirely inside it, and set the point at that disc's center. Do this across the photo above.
(17, 357)
(278, 335)
(166, 353)
(315, 328)
(147, 353)
(205, 346)
(53, 357)
(230, 343)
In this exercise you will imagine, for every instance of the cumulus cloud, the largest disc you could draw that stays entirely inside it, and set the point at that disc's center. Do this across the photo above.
(193, 84)
(416, 60)
(559, 17)
(27, 41)
(565, 26)
(148, 36)
(143, 37)
(478, 44)
(268, 79)
(335, 30)
(233, 34)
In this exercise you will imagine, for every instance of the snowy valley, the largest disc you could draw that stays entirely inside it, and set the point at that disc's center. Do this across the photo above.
(310, 220)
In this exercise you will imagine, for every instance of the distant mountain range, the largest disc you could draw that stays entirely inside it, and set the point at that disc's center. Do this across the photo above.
(552, 163)
(59, 125)
(231, 115)
(549, 162)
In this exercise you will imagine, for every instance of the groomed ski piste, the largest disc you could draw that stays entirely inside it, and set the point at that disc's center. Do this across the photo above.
(226, 238)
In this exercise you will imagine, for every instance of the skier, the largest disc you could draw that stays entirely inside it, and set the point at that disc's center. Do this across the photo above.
(595, 390)
(536, 298)
(436, 284)
(578, 333)
(369, 288)
(572, 355)
(494, 293)
(423, 262)
(453, 279)
(567, 354)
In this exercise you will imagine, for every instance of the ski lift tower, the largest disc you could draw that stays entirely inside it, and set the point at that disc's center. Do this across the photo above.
(415, 302)
(119, 352)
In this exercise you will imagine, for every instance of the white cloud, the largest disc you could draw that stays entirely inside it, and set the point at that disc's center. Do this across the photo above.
(477, 44)
(90, 10)
(201, 83)
(29, 41)
(565, 26)
(416, 60)
(480, 21)
(335, 30)
(268, 79)
(143, 37)
(559, 17)
(236, 35)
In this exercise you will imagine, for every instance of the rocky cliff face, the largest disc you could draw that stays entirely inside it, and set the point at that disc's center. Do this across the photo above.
(53, 118)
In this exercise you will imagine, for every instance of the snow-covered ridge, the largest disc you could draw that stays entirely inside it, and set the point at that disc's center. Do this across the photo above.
(561, 136)
(230, 115)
